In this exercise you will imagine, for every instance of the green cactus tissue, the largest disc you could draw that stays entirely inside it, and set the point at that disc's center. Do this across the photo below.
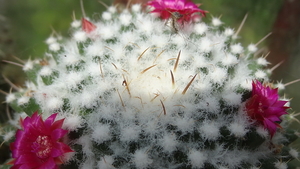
(150, 87)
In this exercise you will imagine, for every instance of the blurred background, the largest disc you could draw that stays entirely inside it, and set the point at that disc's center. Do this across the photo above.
(26, 24)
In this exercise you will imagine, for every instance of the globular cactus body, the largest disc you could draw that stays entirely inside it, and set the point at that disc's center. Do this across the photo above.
(140, 92)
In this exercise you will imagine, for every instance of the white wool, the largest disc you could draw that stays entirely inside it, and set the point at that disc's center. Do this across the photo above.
(204, 86)
(76, 23)
(262, 132)
(51, 40)
(106, 112)
(30, 86)
(128, 38)
(68, 157)
(218, 75)
(8, 135)
(205, 45)
(232, 98)
(229, 60)
(130, 133)
(45, 71)
(85, 99)
(136, 7)
(106, 16)
(23, 100)
(88, 163)
(59, 37)
(86, 143)
(106, 162)
(28, 65)
(294, 153)
(260, 74)
(200, 61)
(184, 124)
(211, 104)
(125, 18)
(150, 127)
(279, 137)
(236, 48)
(53, 103)
(69, 59)
(197, 158)
(160, 41)
(210, 130)
(101, 133)
(216, 22)
(107, 32)
(146, 26)
(242, 76)
(237, 129)
(10, 97)
(93, 69)
(200, 28)
(72, 79)
(141, 159)
(169, 143)
(235, 157)
(112, 9)
(228, 32)
(252, 48)
(72, 122)
(16, 119)
(70, 50)
(280, 86)
(262, 61)
(179, 39)
(94, 50)
(221, 167)
(54, 47)
(280, 165)
(80, 36)
(247, 84)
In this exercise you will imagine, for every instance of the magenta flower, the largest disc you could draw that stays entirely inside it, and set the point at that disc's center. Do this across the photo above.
(264, 106)
(39, 144)
(87, 26)
(182, 10)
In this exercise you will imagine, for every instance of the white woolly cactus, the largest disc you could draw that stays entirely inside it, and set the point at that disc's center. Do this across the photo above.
(136, 91)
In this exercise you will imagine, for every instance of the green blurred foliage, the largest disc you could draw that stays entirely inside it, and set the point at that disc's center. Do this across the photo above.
(261, 16)
(33, 21)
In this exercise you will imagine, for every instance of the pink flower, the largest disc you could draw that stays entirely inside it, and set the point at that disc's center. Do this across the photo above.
(39, 143)
(182, 10)
(264, 106)
(87, 26)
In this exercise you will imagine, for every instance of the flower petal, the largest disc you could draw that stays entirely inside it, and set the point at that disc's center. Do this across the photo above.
(29, 159)
(49, 164)
(39, 144)
(48, 122)
(271, 126)
(87, 26)
(58, 133)
(57, 124)
(59, 149)
(264, 106)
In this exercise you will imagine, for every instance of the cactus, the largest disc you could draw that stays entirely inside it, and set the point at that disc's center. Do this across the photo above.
(138, 91)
